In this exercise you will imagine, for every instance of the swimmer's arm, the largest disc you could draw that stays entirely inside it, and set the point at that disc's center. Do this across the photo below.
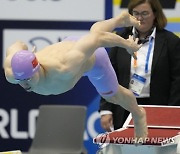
(15, 47)
(8, 71)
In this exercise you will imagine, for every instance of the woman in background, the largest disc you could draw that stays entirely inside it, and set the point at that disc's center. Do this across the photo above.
(155, 76)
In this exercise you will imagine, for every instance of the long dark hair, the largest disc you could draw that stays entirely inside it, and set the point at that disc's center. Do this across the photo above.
(160, 19)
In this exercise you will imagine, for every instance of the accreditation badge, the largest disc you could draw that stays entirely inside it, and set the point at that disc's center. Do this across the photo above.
(137, 83)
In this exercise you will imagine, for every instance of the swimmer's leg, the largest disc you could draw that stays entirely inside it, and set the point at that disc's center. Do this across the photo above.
(124, 19)
(127, 100)
(103, 77)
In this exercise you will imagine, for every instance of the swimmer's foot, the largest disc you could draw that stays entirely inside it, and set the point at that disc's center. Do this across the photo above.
(127, 20)
(140, 125)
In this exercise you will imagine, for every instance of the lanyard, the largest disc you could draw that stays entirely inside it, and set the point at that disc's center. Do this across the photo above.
(148, 54)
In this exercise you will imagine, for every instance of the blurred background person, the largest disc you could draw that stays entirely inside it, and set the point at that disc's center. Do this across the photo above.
(155, 76)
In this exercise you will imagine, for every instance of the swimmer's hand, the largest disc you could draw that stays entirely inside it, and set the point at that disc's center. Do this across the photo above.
(133, 46)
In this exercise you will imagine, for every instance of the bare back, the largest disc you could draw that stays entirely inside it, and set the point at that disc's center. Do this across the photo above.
(58, 76)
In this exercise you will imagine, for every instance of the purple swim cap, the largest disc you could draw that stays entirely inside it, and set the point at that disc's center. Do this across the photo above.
(24, 64)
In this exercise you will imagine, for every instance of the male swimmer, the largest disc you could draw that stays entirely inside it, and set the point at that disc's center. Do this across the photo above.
(58, 67)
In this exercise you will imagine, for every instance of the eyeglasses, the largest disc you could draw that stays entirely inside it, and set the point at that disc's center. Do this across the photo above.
(144, 14)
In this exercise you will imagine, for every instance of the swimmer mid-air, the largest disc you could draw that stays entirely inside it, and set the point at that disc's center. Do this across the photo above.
(58, 67)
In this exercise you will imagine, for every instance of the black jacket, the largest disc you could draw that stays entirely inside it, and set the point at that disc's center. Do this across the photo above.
(165, 72)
